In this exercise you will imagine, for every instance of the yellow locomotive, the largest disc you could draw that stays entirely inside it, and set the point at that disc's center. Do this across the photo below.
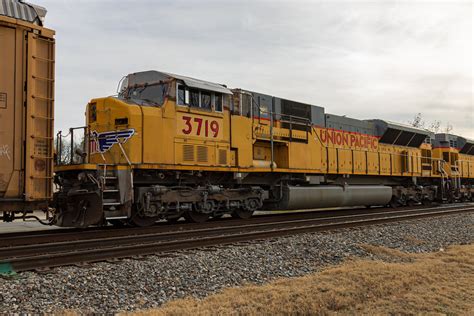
(170, 146)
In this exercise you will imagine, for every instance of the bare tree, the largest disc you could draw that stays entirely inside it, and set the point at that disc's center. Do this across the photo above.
(417, 121)
(434, 126)
(66, 154)
(448, 128)
(63, 151)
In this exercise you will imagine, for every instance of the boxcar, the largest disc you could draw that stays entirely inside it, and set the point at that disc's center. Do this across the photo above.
(26, 109)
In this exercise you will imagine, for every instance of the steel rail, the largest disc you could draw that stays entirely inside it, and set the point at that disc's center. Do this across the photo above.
(146, 246)
(58, 235)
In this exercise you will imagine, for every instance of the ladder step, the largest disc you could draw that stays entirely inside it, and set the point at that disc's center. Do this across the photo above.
(42, 98)
(43, 78)
(111, 191)
(42, 117)
(111, 203)
(41, 157)
(42, 137)
(44, 59)
(110, 178)
(117, 217)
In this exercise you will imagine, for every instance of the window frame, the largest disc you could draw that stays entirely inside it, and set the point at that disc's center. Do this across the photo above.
(141, 100)
(186, 94)
(211, 105)
(187, 98)
(213, 102)
(190, 98)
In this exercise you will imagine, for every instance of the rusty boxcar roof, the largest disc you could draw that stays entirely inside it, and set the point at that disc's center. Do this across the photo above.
(22, 10)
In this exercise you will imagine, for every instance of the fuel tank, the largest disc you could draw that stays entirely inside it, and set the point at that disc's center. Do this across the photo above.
(308, 197)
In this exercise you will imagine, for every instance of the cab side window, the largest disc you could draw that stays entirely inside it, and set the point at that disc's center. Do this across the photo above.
(205, 100)
(217, 102)
(194, 98)
(181, 95)
(199, 98)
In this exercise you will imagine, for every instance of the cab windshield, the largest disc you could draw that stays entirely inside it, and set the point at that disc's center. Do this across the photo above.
(153, 94)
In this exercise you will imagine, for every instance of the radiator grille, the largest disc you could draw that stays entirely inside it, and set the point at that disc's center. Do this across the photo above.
(222, 157)
(188, 153)
(201, 153)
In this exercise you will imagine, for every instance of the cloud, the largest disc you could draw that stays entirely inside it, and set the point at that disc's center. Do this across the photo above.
(385, 60)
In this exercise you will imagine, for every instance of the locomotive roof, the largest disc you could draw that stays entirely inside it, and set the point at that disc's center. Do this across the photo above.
(22, 10)
(400, 126)
(154, 76)
(465, 145)
(400, 134)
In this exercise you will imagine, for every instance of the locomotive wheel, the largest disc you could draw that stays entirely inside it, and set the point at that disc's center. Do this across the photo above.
(173, 219)
(143, 221)
(138, 219)
(242, 214)
(394, 203)
(117, 222)
(196, 217)
(426, 202)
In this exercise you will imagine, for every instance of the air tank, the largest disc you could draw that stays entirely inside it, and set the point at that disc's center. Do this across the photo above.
(309, 197)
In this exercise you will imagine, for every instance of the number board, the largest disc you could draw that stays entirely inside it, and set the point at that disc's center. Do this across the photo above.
(200, 126)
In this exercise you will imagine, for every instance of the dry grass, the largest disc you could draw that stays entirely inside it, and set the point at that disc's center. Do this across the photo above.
(388, 254)
(435, 283)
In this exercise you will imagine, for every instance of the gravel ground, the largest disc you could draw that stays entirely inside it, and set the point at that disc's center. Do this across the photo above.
(134, 284)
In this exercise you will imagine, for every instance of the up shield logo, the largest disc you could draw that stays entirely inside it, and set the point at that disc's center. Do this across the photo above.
(102, 142)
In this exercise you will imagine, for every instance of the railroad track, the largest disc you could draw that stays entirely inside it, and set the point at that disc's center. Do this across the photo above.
(68, 234)
(38, 251)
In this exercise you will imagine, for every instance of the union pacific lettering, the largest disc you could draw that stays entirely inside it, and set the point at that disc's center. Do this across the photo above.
(348, 139)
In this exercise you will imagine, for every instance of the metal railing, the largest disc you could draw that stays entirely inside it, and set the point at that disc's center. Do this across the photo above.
(290, 122)
(73, 148)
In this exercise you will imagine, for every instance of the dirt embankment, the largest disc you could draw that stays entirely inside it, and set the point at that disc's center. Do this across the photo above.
(400, 283)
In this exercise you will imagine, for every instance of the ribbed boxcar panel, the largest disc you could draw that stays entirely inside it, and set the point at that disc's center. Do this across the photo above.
(26, 115)
(8, 142)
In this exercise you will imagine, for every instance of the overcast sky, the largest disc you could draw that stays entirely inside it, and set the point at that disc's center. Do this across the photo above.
(363, 59)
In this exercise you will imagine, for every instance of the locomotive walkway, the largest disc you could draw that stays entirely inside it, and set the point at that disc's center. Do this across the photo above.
(47, 249)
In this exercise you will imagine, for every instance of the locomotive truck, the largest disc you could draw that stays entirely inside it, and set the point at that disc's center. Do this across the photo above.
(169, 146)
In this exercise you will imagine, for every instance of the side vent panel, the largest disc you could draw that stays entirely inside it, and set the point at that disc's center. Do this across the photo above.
(188, 153)
(222, 157)
(202, 155)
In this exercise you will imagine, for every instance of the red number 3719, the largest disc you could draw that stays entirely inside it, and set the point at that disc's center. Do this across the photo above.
(202, 126)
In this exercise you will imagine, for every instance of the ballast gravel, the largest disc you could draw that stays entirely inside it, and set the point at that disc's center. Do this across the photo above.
(136, 284)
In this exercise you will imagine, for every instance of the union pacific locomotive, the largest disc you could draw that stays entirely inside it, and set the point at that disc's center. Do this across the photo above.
(170, 146)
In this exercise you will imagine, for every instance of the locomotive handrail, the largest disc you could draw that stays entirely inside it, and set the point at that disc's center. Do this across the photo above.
(69, 160)
(292, 120)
